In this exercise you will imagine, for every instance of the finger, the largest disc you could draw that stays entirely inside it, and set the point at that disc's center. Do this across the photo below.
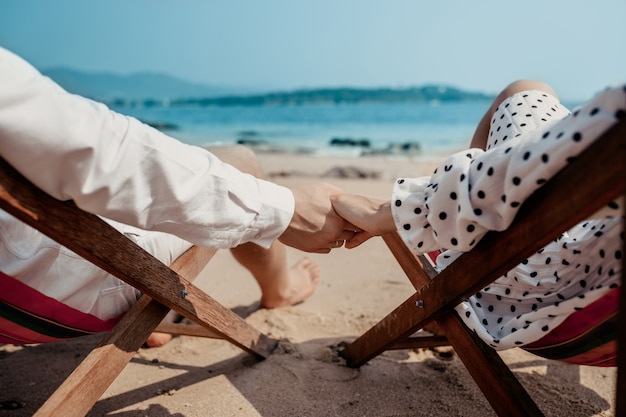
(346, 234)
(334, 244)
(321, 250)
(349, 226)
(341, 205)
(358, 239)
(346, 225)
(318, 249)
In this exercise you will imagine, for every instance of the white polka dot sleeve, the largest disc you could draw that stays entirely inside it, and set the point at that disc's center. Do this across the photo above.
(532, 136)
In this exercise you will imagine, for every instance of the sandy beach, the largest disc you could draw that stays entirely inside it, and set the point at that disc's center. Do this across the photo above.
(195, 377)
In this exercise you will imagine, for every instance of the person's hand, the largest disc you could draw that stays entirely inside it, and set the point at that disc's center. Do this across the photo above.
(315, 227)
(370, 217)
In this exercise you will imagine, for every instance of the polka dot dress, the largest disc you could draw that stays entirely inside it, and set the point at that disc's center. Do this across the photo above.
(532, 136)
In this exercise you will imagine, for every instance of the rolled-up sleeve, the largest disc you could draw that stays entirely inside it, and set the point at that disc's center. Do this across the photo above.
(119, 168)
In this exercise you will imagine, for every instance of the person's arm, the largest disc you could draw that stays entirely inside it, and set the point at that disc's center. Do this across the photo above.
(121, 169)
(475, 191)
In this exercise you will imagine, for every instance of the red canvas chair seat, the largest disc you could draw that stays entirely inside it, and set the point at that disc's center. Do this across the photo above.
(28, 316)
(586, 337)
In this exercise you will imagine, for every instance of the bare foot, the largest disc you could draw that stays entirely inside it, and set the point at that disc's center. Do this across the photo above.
(298, 284)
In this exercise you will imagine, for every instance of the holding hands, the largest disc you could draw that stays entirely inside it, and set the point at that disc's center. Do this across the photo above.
(315, 225)
(368, 216)
(324, 218)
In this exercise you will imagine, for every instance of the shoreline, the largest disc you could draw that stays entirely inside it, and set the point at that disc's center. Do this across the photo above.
(284, 162)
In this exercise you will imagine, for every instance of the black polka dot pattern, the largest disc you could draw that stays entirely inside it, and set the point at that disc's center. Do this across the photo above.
(475, 191)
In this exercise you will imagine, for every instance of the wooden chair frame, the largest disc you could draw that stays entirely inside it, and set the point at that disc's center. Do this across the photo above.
(594, 178)
(164, 288)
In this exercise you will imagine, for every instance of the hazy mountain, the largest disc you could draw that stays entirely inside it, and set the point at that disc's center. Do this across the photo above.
(107, 86)
(151, 89)
(427, 93)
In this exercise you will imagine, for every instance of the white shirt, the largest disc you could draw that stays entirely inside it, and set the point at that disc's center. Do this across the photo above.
(121, 169)
(114, 166)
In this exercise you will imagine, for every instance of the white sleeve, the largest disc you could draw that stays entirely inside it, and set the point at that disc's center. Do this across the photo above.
(114, 166)
(475, 191)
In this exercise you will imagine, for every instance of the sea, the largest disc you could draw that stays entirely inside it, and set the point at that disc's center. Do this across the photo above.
(347, 129)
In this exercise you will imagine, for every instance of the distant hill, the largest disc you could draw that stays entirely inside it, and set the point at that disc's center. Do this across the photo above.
(428, 93)
(105, 86)
(152, 89)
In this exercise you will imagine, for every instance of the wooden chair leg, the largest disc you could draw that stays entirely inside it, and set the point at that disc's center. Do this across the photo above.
(421, 342)
(80, 391)
(495, 379)
(620, 393)
(499, 385)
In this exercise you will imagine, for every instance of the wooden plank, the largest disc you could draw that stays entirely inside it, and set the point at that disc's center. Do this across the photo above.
(182, 329)
(501, 388)
(413, 267)
(483, 363)
(620, 392)
(124, 259)
(86, 384)
(498, 384)
(420, 342)
(80, 391)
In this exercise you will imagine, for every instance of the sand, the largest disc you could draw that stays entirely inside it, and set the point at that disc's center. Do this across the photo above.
(305, 377)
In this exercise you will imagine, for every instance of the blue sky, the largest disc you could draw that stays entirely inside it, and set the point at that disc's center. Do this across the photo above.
(575, 45)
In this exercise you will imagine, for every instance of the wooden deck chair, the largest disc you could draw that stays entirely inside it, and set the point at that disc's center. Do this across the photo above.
(164, 288)
(593, 179)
